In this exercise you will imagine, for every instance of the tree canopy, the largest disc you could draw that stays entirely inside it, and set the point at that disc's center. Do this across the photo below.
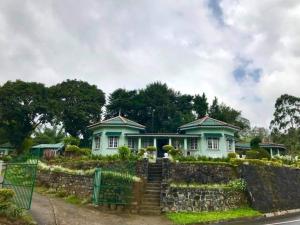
(23, 107)
(77, 104)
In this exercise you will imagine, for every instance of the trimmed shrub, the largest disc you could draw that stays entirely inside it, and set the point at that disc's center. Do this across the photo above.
(151, 149)
(124, 152)
(263, 153)
(85, 151)
(72, 149)
(141, 152)
(171, 150)
(232, 155)
(252, 154)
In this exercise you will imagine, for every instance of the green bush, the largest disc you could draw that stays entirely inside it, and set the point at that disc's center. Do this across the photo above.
(141, 152)
(72, 148)
(85, 151)
(151, 149)
(6, 195)
(71, 141)
(263, 153)
(232, 155)
(124, 152)
(252, 154)
(171, 150)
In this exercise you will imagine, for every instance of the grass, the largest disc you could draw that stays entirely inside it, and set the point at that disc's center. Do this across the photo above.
(205, 217)
(72, 199)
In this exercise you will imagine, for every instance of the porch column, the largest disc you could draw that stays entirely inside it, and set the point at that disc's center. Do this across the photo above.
(139, 144)
(271, 152)
(154, 142)
(278, 153)
(185, 146)
(170, 141)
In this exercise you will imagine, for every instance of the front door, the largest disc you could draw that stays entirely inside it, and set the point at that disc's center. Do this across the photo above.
(159, 144)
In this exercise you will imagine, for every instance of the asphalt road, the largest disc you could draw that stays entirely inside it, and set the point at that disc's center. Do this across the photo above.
(286, 220)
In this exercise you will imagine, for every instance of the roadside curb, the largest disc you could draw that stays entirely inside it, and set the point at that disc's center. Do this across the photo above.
(282, 213)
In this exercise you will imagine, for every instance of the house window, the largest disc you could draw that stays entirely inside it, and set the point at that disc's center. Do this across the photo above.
(194, 144)
(213, 143)
(97, 142)
(229, 143)
(147, 142)
(113, 142)
(131, 143)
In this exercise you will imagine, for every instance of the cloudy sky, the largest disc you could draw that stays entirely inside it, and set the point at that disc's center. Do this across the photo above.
(247, 53)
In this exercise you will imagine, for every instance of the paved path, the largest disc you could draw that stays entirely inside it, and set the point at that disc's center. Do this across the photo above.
(287, 220)
(43, 210)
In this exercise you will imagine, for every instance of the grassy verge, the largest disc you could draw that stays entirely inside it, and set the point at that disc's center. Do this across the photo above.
(205, 217)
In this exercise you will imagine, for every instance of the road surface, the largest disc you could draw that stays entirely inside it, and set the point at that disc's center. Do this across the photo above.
(54, 211)
(286, 220)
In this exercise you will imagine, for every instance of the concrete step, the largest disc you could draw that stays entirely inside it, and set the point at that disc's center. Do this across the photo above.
(152, 196)
(153, 188)
(151, 200)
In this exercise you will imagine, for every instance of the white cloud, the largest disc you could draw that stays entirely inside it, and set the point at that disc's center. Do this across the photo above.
(131, 43)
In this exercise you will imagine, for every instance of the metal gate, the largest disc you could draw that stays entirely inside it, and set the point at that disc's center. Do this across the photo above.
(111, 187)
(20, 177)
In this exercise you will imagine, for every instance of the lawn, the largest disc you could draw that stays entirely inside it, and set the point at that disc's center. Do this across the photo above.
(204, 217)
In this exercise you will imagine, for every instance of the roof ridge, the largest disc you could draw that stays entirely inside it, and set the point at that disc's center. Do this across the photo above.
(122, 118)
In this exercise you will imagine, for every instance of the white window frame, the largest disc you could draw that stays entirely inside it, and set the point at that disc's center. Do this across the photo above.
(97, 142)
(131, 143)
(213, 143)
(113, 142)
(193, 143)
(229, 145)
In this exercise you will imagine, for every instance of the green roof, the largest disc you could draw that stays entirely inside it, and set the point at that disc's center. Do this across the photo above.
(50, 146)
(207, 122)
(118, 121)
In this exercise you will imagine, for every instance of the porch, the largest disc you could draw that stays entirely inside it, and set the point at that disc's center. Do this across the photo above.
(188, 143)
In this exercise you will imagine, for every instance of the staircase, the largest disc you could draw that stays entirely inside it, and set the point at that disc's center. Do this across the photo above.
(151, 199)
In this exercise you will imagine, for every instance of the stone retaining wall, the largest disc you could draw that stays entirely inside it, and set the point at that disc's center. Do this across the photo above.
(196, 200)
(79, 185)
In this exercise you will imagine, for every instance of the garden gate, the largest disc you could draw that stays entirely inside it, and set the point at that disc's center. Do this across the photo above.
(112, 187)
(20, 177)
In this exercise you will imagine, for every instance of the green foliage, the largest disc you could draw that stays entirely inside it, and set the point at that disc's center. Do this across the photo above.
(257, 154)
(77, 104)
(141, 152)
(48, 135)
(72, 149)
(6, 195)
(209, 217)
(254, 143)
(200, 105)
(23, 106)
(233, 185)
(124, 152)
(286, 123)
(252, 154)
(73, 199)
(151, 149)
(200, 159)
(171, 150)
(232, 155)
(85, 151)
(70, 140)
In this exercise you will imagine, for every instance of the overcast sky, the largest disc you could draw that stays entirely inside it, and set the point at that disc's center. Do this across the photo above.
(247, 53)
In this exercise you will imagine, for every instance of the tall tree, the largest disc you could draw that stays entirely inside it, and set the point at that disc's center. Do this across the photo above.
(200, 105)
(286, 122)
(287, 113)
(77, 104)
(122, 101)
(23, 107)
(214, 109)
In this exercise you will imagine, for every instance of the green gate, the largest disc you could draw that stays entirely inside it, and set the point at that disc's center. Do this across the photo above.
(112, 187)
(20, 177)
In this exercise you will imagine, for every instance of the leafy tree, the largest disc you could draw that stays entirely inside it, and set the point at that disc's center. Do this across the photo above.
(286, 122)
(254, 143)
(122, 101)
(23, 107)
(77, 104)
(48, 135)
(287, 113)
(214, 110)
(200, 105)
